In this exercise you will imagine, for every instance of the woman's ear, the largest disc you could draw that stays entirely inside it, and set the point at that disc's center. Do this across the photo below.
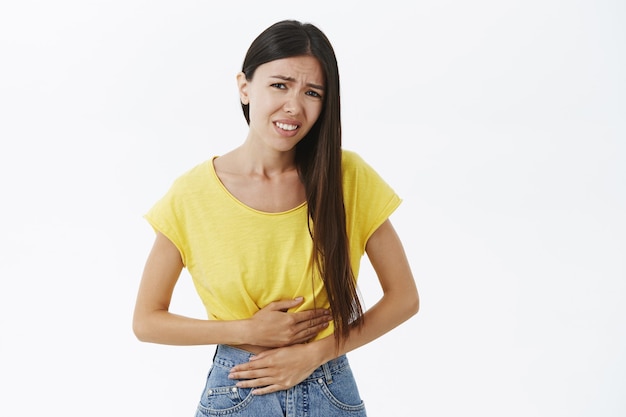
(242, 85)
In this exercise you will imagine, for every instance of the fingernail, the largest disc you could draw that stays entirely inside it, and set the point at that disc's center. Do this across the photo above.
(298, 298)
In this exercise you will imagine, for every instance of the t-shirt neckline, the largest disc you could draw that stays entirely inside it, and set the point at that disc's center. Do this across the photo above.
(242, 204)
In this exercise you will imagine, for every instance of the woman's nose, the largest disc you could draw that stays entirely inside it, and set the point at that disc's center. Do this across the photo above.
(292, 104)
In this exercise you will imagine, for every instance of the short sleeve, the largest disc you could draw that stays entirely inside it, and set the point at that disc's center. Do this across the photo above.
(369, 200)
(166, 217)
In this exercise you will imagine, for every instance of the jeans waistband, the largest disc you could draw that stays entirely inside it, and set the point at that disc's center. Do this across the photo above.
(228, 356)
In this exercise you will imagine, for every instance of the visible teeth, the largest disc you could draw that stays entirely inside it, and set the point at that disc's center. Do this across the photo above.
(286, 126)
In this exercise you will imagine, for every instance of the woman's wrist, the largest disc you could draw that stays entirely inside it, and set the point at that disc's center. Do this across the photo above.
(323, 350)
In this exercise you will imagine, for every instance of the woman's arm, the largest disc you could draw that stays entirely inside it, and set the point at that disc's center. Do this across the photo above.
(152, 321)
(400, 300)
(283, 368)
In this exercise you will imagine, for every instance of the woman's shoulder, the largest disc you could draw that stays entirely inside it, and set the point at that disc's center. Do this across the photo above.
(351, 159)
(352, 163)
(195, 177)
(356, 170)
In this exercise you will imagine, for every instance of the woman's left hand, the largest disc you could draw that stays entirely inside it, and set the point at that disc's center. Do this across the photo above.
(275, 369)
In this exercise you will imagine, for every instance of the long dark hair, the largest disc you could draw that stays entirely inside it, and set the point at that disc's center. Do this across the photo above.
(318, 158)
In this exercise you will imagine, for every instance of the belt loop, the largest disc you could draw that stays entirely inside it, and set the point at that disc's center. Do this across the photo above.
(327, 374)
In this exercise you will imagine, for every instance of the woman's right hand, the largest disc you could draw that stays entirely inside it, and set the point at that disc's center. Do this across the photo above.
(274, 326)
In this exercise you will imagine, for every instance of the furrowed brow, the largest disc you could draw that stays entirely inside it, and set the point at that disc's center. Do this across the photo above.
(291, 79)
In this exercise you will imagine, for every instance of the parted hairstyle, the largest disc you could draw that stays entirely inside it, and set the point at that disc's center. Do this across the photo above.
(318, 158)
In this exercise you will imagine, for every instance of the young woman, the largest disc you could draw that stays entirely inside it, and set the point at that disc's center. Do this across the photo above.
(272, 234)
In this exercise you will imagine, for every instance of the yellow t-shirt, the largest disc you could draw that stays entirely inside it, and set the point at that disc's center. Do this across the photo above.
(242, 259)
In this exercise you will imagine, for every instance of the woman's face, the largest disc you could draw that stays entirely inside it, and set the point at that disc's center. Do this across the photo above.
(285, 98)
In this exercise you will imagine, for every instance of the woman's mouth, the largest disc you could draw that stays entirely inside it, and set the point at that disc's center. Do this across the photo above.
(286, 126)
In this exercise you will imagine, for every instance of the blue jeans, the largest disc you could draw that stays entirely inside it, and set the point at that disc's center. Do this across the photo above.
(330, 391)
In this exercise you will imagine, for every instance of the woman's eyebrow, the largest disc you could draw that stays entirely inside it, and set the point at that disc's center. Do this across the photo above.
(286, 78)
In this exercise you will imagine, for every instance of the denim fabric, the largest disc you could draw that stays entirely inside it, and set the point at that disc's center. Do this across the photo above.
(330, 391)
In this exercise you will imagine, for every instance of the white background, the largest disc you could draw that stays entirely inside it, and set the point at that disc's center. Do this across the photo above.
(500, 123)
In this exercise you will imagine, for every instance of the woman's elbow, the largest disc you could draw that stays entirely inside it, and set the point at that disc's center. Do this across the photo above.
(141, 329)
(413, 305)
(411, 302)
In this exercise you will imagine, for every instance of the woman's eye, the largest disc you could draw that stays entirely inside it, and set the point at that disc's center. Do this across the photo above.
(314, 94)
(280, 86)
